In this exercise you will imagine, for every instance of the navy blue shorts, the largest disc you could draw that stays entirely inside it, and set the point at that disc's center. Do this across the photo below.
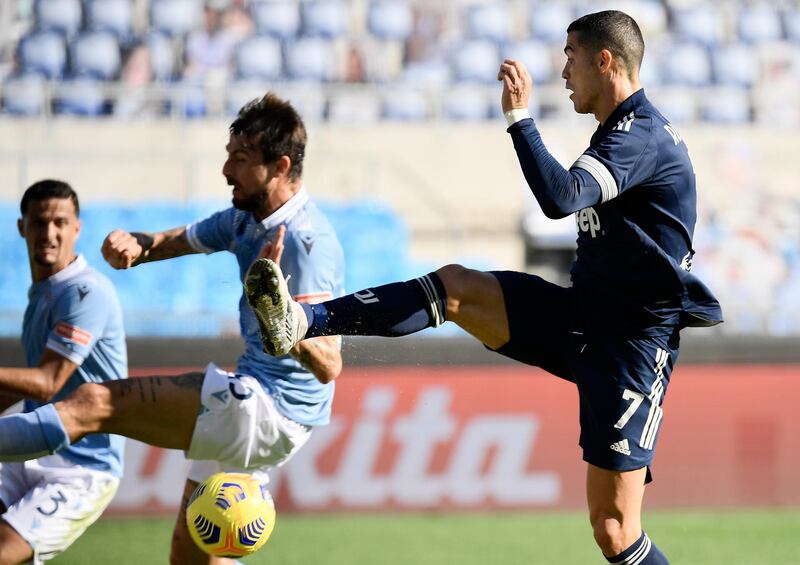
(621, 381)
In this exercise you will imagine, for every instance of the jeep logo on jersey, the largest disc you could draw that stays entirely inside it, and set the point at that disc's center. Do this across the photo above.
(588, 221)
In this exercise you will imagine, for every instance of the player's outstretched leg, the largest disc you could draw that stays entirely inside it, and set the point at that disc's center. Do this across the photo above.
(390, 310)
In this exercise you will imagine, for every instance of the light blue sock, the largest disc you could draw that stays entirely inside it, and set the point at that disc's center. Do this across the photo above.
(32, 435)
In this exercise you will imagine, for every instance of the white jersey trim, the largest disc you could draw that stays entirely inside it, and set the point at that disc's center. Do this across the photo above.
(194, 241)
(70, 271)
(53, 345)
(286, 212)
(599, 172)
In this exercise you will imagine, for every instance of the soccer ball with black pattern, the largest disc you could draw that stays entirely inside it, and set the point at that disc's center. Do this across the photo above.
(230, 515)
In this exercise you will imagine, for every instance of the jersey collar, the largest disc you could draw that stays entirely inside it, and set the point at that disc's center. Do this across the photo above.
(286, 212)
(626, 107)
(68, 272)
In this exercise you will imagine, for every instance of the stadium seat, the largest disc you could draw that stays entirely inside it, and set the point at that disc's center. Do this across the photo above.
(687, 64)
(432, 74)
(490, 21)
(175, 17)
(240, 92)
(43, 52)
(678, 105)
(791, 23)
(759, 23)
(406, 105)
(80, 96)
(702, 24)
(325, 18)
(63, 16)
(276, 18)
(258, 57)
(354, 108)
(310, 58)
(163, 61)
(466, 103)
(727, 106)
(24, 95)
(97, 54)
(537, 58)
(390, 19)
(476, 61)
(735, 64)
(113, 16)
(548, 21)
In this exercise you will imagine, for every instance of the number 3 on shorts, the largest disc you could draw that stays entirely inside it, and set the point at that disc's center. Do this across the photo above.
(636, 399)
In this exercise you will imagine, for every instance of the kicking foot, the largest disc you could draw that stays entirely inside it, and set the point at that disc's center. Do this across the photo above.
(281, 320)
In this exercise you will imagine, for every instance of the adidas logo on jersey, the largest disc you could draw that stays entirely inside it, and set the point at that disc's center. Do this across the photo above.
(621, 447)
(625, 123)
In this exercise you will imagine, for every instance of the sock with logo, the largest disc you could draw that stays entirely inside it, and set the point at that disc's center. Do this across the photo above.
(32, 435)
(642, 552)
(390, 310)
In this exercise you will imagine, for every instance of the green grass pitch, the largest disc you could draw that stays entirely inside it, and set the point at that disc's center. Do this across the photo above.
(559, 538)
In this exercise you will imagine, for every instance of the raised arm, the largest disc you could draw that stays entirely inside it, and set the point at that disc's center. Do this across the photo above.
(559, 191)
(123, 250)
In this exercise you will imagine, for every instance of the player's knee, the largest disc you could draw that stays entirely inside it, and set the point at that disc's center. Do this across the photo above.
(457, 281)
(609, 533)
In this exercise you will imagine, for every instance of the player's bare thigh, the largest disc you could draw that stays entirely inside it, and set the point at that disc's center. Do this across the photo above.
(475, 302)
(13, 549)
(159, 410)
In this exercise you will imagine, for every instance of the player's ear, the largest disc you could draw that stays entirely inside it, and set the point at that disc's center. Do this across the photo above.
(283, 164)
(21, 227)
(604, 59)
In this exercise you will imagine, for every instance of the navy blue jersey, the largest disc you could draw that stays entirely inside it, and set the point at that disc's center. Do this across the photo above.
(634, 198)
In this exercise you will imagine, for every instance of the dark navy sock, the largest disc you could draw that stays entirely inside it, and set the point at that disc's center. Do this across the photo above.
(390, 310)
(642, 552)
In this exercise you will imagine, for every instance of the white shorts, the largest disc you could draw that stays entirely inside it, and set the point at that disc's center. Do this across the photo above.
(240, 428)
(50, 502)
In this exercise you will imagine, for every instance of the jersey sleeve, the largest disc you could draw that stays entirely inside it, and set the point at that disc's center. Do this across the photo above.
(214, 233)
(623, 158)
(315, 264)
(79, 318)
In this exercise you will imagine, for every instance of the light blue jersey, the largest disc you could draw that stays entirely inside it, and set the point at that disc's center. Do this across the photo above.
(76, 314)
(314, 262)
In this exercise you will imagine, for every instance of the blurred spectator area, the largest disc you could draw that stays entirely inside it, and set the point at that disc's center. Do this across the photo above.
(369, 60)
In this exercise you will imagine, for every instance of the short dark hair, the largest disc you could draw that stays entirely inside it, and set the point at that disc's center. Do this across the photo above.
(46, 189)
(615, 31)
(277, 128)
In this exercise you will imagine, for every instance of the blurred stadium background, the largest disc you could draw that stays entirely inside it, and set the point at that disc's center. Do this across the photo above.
(129, 101)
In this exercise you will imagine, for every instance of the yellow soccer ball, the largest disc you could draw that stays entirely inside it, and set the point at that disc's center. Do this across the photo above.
(230, 515)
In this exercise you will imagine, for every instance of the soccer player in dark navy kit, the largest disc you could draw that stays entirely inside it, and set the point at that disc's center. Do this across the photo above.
(615, 331)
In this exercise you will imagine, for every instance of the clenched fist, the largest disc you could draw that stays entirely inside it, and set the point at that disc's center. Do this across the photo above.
(121, 249)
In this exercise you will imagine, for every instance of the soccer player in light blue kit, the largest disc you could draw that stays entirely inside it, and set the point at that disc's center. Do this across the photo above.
(259, 416)
(72, 334)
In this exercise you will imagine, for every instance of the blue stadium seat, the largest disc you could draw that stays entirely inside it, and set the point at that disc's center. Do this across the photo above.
(193, 101)
(310, 58)
(175, 17)
(276, 18)
(466, 103)
(791, 23)
(325, 18)
(240, 92)
(96, 53)
(24, 95)
(678, 105)
(63, 16)
(548, 21)
(476, 61)
(113, 16)
(759, 23)
(163, 61)
(735, 64)
(431, 74)
(490, 21)
(727, 106)
(702, 24)
(687, 64)
(406, 105)
(80, 96)
(43, 52)
(258, 57)
(537, 58)
(354, 108)
(390, 19)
